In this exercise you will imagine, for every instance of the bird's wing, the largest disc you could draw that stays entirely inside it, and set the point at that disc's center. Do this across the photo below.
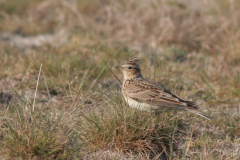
(154, 94)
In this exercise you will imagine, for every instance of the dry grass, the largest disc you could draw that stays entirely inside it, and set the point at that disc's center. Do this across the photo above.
(192, 48)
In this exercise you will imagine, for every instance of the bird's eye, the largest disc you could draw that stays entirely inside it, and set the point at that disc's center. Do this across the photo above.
(130, 67)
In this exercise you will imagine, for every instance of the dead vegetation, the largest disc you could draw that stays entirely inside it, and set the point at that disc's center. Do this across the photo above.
(192, 48)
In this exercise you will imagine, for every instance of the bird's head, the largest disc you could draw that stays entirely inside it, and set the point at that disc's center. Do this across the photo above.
(130, 69)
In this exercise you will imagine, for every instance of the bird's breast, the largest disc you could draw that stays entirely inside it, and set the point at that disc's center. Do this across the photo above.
(142, 106)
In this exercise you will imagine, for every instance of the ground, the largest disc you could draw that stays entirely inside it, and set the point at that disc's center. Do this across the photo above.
(59, 98)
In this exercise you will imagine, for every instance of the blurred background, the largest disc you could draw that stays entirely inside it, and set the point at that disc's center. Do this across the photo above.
(209, 26)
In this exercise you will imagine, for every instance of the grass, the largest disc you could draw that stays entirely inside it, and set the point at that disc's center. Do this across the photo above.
(79, 112)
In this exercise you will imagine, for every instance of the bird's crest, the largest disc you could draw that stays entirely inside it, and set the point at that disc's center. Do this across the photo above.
(133, 61)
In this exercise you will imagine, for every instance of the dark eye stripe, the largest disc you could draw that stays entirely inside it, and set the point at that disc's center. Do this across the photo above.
(129, 67)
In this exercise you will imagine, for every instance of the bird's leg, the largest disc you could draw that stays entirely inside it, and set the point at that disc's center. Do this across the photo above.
(157, 113)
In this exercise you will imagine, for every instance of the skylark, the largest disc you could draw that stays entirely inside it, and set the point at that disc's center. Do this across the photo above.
(146, 95)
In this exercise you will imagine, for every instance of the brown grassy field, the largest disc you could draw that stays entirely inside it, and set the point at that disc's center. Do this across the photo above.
(60, 100)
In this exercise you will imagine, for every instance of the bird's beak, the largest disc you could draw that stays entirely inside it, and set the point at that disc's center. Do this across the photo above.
(119, 67)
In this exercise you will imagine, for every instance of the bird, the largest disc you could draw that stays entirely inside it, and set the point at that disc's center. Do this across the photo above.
(146, 95)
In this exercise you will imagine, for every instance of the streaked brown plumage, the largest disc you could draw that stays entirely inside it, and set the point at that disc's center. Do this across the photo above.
(146, 95)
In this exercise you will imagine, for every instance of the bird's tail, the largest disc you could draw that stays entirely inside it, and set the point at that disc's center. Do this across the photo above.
(199, 113)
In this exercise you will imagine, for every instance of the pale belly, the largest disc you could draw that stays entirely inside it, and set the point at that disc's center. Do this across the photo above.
(144, 106)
